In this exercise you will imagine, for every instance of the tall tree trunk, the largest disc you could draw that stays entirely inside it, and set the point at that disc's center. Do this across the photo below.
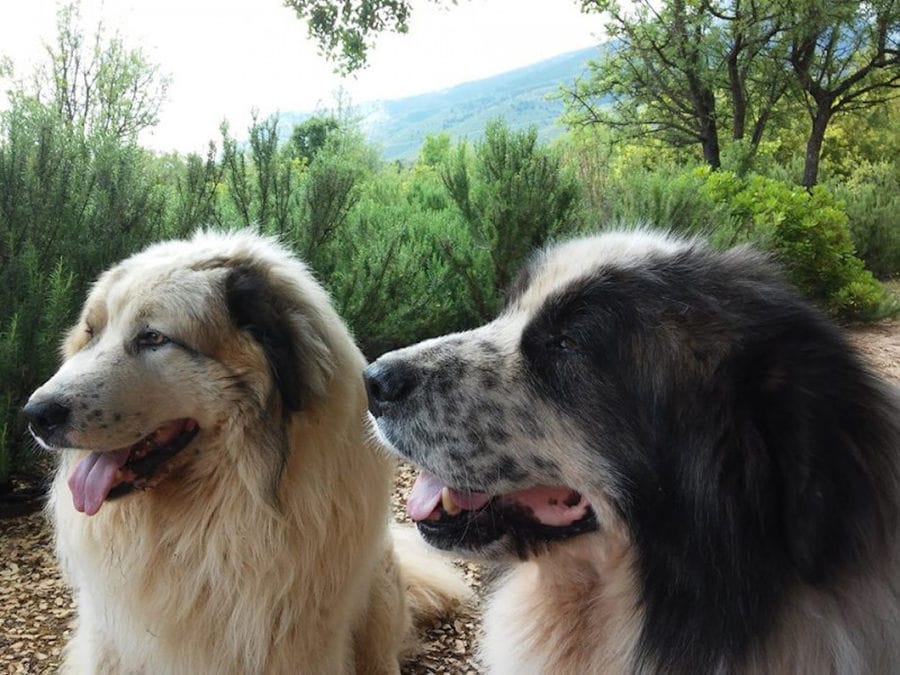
(738, 95)
(814, 144)
(709, 131)
(759, 127)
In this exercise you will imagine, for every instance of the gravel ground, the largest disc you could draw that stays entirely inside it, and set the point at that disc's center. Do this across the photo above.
(36, 609)
(880, 344)
(449, 644)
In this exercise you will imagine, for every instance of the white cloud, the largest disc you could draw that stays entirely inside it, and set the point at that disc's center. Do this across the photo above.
(227, 57)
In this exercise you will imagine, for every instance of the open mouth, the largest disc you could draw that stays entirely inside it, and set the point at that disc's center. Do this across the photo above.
(103, 476)
(454, 519)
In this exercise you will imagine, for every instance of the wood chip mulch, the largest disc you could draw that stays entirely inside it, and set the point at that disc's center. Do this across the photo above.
(36, 608)
(37, 612)
(449, 646)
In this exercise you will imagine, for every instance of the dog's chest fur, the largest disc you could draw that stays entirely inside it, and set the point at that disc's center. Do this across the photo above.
(571, 611)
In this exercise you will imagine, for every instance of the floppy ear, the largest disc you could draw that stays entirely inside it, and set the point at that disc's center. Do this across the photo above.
(285, 326)
(827, 427)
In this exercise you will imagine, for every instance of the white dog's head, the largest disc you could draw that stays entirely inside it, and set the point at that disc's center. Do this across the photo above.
(175, 346)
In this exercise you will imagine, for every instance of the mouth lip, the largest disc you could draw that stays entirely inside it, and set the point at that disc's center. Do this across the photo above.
(106, 474)
(60, 447)
(476, 529)
(153, 463)
(43, 443)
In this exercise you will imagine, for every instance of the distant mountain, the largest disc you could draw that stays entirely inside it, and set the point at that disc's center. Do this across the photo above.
(521, 97)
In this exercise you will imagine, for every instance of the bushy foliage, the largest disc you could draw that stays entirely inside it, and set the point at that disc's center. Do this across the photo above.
(814, 233)
(513, 195)
(309, 136)
(369, 233)
(389, 279)
(807, 231)
(406, 252)
(70, 204)
(665, 198)
(871, 198)
(628, 184)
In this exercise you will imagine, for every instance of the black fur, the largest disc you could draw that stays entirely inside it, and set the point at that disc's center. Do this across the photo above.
(751, 454)
(755, 454)
(256, 308)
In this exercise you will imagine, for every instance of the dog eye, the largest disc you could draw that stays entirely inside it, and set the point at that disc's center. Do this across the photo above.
(89, 329)
(151, 338)
(566, 344)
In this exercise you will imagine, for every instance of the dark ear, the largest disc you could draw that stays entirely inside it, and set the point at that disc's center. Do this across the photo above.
(827, 427)
(257, 308)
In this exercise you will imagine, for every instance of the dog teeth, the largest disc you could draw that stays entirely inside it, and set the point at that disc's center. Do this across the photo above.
(451, 507)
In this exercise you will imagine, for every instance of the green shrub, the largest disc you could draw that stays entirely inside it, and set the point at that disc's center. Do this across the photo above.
(513, 195)
(390, 281)
(665, 197)
(807, 231)
(70, 205)
(374, 236)
(10, 360)
(871, 197)
(30, 331)
(330, 189)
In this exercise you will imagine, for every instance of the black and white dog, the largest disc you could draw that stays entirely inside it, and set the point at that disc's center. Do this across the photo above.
(689, 465)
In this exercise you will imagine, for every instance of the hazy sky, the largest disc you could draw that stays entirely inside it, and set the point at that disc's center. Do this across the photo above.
(226, 57)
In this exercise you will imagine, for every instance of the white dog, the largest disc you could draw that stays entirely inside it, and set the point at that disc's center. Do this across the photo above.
(219, 504)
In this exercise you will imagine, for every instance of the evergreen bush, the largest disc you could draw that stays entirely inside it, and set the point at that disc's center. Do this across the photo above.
(807, 231)
(513, 195)
(871, 198)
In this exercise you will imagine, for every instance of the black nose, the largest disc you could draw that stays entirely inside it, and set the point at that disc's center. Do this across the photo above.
(388, 383)
(45, 416)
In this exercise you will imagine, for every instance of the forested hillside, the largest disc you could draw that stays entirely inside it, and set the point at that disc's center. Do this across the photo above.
(524, 97)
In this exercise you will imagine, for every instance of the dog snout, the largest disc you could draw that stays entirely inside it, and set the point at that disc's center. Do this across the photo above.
(46, 416)
(388, 383)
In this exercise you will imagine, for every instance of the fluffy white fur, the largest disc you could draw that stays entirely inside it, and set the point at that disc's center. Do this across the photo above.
(266, 548)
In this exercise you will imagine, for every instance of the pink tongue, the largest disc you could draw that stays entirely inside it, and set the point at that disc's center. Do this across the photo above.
(94, 477)
(550, 505)
(424, 497)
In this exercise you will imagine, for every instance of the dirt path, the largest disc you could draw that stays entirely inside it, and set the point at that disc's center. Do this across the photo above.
(36, 609)
(880, 344)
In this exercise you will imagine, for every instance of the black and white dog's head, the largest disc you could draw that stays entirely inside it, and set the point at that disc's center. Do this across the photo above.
(689, 395)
